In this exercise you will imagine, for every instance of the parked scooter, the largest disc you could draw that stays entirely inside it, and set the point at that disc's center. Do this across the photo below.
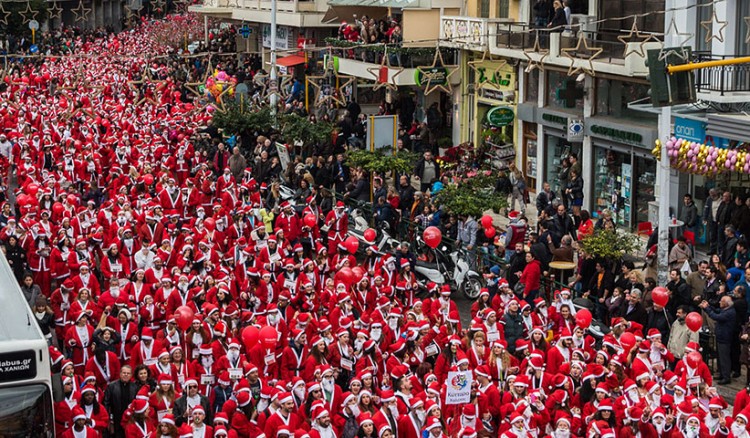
(449, 268)
(357, 227)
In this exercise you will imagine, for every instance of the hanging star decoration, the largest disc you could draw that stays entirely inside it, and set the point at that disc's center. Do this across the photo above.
(28, 14)
(536, 48)
(81, 12)
(142, 85)
(195, 87)
(181, 5)
(159, 5)
(4, 15)
(635, 34)
(323, 89)
(594, 53)
(685, 39)
(438, 74)
(479, 71)
(382, 73)
(709, 26)
(54, 11)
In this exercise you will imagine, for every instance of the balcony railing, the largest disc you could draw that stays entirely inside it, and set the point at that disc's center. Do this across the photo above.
(523, 36)
(266, 5)
(407, 57)
(467, 32)
(722, 79)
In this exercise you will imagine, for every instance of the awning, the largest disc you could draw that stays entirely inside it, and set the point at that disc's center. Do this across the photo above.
(375, 3)
(290, 60)
(340, 14)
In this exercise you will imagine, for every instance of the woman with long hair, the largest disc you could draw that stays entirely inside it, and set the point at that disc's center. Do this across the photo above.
(501, 363)
(317, 357)
(137, 287)
(195, 337)
(167, 428)
(142, 376)
(140, 424)
(163, 398)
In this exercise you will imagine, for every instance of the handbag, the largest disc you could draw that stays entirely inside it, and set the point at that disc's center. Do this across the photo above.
(519, 288)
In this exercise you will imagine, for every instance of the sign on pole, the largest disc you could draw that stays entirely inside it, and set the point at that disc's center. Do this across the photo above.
(459, 388)
(283, 152)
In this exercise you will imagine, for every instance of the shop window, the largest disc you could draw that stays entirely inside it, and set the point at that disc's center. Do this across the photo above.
(704, 13)
(557, 150)
(613, 184)
(613, 97)
(559, 91)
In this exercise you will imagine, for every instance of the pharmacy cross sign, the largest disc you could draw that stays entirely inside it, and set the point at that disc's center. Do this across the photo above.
(569, 93)
(245, 31)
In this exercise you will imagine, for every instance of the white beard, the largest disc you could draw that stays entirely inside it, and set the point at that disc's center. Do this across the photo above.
(712, 423)
(325, 432)
(375, 335)
(562, 434)
(739, 431)
(394, 411)
(355, 410)
(467, 423)
(327, 384)
(692, 433)
(678, 399)
(520, 432)
(207, 361)
(659, 426)
(299, 392)
(233, 355)
(262, 405)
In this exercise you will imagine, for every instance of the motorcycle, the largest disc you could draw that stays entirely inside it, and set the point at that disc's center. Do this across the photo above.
(357, 227)
(450, 268)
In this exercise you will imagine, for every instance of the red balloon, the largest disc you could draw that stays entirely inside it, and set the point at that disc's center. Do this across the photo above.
(660, 296)
(184, 316)
(694, 321)
(310, 220)
(432, 236)
(22, 199)
(583, 318)
(486, 221)
(210, 224)
(627, 340)
(694, 359)
(72, 199)
(352, 244)
(33, 189)
(148, 179)
(250, 336)
(57, 208)
(490, 232)
(268, 336)
(344, 275)
(370, 235)
(358, 273)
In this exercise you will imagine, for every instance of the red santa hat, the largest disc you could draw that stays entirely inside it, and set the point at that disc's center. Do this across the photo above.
(140, 406)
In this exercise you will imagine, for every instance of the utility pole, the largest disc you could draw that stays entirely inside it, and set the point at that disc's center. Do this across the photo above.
(274, 95)
(663, 170)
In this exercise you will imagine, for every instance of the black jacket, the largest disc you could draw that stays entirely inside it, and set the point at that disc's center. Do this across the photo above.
(117, 397)
(181, 414)
(419, 169)
(659, 321)
(638, 314)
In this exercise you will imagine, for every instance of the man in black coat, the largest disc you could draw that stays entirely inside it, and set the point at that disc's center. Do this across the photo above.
(427, 170)
(117, 397)
(191, 398)
(633, 309)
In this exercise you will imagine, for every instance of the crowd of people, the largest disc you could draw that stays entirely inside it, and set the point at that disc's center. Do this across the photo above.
(131, 214)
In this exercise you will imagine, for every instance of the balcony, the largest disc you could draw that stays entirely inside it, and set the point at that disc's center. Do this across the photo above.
(517, 40)
(295, 13)
(722, 84)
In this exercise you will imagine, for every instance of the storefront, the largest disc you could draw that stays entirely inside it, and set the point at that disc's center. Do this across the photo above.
(624, 171)
(561, 135)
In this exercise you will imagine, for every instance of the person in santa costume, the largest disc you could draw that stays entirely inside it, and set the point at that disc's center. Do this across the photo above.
(80, 428)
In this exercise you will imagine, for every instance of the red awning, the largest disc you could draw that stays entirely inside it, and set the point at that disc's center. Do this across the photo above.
(290, 60)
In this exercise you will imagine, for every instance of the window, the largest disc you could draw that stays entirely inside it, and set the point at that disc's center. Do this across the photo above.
(613, 97)
(484, 8)
(503, 8)
(532, 87)
(560, 81)
(25, 411)
(743, 10)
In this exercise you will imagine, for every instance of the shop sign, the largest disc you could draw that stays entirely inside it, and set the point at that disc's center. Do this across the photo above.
(282, 37)
(489, 93)
(617, 134)
(692, 130)
(575, 130)
(554, 119)
(500, 116)
(496, 78)
(437, 76)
